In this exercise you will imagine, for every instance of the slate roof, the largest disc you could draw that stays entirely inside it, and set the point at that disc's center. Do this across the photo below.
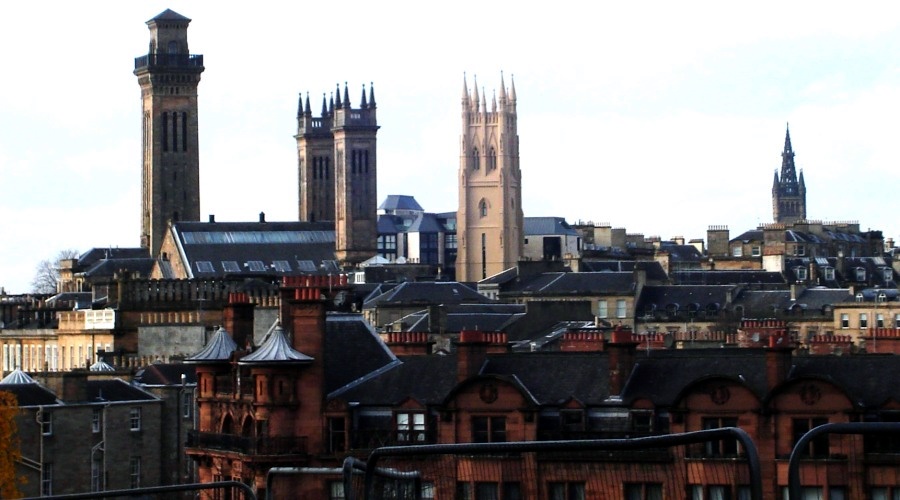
(748, 236)
(17, 376)
(353, 351)
(410, 293)
(166, 374)
(426, 223)
(602, 283)
(735, 277)
(169, 15)
(484, 317)
(653, 269)
(427, 379)
(275, 350)
(115, 390)
(31, 394)
(219, 348)
(305, 247)
(400, 202)
(554, 377)
(663, 375)
(681, 253)
(658, 297)
(762, 303)
(106, 268)
(535, 226)
(94, 255)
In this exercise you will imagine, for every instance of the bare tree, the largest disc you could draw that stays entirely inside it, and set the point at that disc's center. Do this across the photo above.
(46, 274)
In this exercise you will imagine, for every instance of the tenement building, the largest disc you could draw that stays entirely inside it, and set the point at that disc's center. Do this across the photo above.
(168, 75)
(489, 218)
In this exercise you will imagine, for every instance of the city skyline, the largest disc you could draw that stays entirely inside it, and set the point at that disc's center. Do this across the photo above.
(658, 118)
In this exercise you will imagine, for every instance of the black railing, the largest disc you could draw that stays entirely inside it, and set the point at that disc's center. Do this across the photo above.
(168, 60)
(278, 445)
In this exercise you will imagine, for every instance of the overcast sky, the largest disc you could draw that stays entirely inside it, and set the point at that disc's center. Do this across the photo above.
(660, 117)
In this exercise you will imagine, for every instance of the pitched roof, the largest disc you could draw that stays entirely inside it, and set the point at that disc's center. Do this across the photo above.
(17, 376)
(658, 297)
(400, 202)
(31, 394)
(459, 317)
(554, 377)
(534, 226)
(169, 15)
(564, 283)
(727, 277)
(353, 351)
(253, 248)
(166, 374)
(427, 292)
(115, 390)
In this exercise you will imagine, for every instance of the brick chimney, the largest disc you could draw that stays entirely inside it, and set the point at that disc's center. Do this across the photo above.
(778, 358)
(409, 343)
(237, 319)
(472, 349)
(582, 341)
(622, 350)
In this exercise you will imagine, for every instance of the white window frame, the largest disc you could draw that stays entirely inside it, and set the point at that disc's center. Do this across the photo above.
(621, 308)
(737, 251)
(602, 309)
(863, 321)
(135, 472)
(845, 321)
(134, 419)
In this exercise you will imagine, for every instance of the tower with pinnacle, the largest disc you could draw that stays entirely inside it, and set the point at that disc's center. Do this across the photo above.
(489, 218)
(336, 160)
(788, 192)
(168, 75)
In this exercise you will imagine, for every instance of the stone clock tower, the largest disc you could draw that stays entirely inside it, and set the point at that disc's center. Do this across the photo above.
(489, 219)
(168, 76)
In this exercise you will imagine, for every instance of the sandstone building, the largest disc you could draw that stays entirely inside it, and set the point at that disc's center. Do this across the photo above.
(489, 219)
(168, 75)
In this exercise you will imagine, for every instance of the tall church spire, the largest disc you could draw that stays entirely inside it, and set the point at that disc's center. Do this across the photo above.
(788, 194)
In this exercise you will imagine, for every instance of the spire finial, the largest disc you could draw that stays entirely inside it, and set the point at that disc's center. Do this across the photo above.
(465, 95)
(308, 108)
(324, 106)
(484, 101)
(371, 95)
(346, 96)
(502, 89)
(300, 106)
(337, 95)
(476, 102)
(362, 102)
(331, 104)
(494, 102)
(512, 88)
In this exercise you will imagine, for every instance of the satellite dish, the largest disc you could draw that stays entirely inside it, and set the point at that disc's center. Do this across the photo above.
(668, 341)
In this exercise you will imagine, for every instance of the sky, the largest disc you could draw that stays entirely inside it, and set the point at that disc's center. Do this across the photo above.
(660, 117)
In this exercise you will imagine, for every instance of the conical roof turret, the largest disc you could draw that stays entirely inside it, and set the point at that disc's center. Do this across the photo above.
(219, 348)
(275, 350)
(17, 376)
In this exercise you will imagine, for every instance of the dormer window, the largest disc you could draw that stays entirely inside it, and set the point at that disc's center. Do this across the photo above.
(860, 274)
(829, 273)
(887, 274)
(800, 272)
(799, 250)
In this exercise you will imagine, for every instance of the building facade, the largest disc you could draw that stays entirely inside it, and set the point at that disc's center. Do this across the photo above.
(168, 76)
(336, 160)
(489, 218)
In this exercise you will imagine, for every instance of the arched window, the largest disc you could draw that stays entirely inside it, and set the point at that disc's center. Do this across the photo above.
(227, 425)
(475, 159)
(247, 428)
(492, 159)
(482, 208)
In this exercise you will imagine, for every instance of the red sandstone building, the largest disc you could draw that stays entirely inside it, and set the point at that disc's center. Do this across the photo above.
(324, 386)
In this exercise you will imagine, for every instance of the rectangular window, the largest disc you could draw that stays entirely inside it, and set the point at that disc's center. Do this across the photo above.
(134, 418)
(486, 491)
(799, 250)
(863, 320)
(231, 266)
(755, 251)
(860, 274)
(135, 472)
(95, 420)
(620, 308)
(256, 266)
(512, 490)
(602, 309)
(711, 492)
(737, 251)
(410, 427)
(879, 320)
(558, 490)
(337, 435)
(47, 479)
(488, 429)
(818, 447)
(643, 491)
(46, 418)
(829, 274)
(722, 448)
(336, 490)
(187, 404)
(897, 320)
(205, 266)
(845, 320)
(96, 474)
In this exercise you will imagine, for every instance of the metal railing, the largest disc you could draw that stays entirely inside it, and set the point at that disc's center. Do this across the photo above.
(169, 60)
(287, 445)
(245, 489)
(801, 448)
(599, 449)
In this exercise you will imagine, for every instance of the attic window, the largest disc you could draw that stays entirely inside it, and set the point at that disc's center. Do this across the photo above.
(801, 273)
(256, 266)
(231, 266)
(281, 266)
(205, 266)
(887, 274)
(306, 266)
(860, 274)
(829, 274)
